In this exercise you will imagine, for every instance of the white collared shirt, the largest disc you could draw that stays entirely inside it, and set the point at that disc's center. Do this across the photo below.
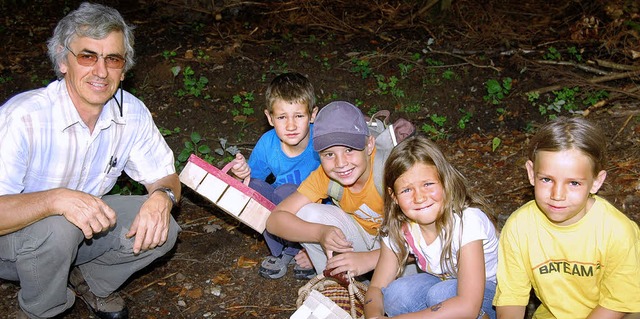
(44, 144)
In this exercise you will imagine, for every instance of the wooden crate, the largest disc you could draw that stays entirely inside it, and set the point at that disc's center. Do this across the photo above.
(226, 192)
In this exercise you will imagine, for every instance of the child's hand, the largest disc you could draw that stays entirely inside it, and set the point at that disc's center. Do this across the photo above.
(332, 239)
(353, 263)
(240, 169)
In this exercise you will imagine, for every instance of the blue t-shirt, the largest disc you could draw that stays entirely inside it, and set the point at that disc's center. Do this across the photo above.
(268, 158)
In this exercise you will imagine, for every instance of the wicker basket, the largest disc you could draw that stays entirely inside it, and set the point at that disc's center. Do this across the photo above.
(350, 298)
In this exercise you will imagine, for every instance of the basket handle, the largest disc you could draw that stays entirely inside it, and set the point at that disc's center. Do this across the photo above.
(227, 168)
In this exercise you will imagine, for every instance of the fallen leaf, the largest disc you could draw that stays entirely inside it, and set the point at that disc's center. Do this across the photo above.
(246, 262)
(211, 228)
(221, 279)
(195, 293)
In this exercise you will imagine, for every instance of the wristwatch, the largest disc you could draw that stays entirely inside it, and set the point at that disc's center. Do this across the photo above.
(169, 193)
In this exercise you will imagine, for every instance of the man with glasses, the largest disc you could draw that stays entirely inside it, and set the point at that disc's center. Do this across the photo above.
(63, 148)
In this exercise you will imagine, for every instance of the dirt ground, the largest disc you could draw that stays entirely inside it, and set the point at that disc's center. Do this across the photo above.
(202, 67)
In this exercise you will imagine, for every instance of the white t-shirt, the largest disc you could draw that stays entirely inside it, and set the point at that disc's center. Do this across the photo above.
(475, 226)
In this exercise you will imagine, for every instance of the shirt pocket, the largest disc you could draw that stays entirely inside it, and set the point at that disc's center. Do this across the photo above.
(108, 181)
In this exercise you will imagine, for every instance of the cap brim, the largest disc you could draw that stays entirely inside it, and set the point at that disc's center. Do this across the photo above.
(355, 141)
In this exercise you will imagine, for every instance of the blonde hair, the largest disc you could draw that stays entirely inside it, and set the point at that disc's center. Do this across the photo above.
(291, 87)
(456, 197)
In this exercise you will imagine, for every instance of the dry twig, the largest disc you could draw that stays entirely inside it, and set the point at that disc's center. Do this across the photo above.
(575, 65)
(135, 291)
(610, 77)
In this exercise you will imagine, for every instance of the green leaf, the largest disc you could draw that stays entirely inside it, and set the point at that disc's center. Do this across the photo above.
(184, 156)
(495, 143)
(195, 137)
(204, 149)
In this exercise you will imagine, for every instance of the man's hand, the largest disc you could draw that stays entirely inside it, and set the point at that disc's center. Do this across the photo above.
(241, 168)
(86, 211)
(151, 225)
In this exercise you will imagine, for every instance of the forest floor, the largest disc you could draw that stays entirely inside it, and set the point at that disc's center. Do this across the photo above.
(478, 78)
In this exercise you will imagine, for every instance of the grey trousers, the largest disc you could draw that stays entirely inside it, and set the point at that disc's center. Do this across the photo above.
(41, 255)
(334, 216)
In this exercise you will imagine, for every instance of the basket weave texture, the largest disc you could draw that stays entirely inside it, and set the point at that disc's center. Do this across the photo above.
(350, 298)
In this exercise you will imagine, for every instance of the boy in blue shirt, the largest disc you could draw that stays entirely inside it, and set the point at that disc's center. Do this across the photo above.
(285, 154)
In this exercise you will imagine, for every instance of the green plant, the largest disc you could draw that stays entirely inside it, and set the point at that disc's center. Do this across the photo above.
(34, 79)
(594, 97)
(448, 74)
(192, 85)
(466, 117)
(533, 96)
(324, 61)
(361, 67)
(243, 100)
(436, 130)
(432, 62)
(166, 132)
(552, 54)
(411, 108)
(390, 85)
(197, 26)
(169, 55)
(193, 146)
(231, 150)
(405, 69)
(529, 128)
(5, 79)
(565, 99)
(497, 91)
(577, 55)
(432, 78)
(373, 110)
(202, 55)
(127, 186)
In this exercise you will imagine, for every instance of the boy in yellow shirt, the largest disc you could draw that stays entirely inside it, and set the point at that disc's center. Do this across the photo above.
(579, 253)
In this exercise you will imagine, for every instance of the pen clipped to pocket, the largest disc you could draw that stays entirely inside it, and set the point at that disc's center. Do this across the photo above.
(113, 161)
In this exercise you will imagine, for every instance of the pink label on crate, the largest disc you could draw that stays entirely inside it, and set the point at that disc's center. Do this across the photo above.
(233, 182)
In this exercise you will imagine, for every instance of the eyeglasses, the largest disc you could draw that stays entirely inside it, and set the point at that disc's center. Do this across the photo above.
(90, 59)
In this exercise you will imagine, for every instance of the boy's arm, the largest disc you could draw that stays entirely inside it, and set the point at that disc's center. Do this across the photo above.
(510, 312)
(603, 313)
(284, 223)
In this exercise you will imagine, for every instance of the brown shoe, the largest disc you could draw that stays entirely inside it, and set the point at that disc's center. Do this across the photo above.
(110, 307)
(21, 315)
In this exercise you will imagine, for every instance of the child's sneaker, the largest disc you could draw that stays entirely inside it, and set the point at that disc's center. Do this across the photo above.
(303, 273)
(274, 267)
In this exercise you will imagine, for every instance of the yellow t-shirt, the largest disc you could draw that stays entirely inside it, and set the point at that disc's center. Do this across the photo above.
(366, 206)
(572, 269)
